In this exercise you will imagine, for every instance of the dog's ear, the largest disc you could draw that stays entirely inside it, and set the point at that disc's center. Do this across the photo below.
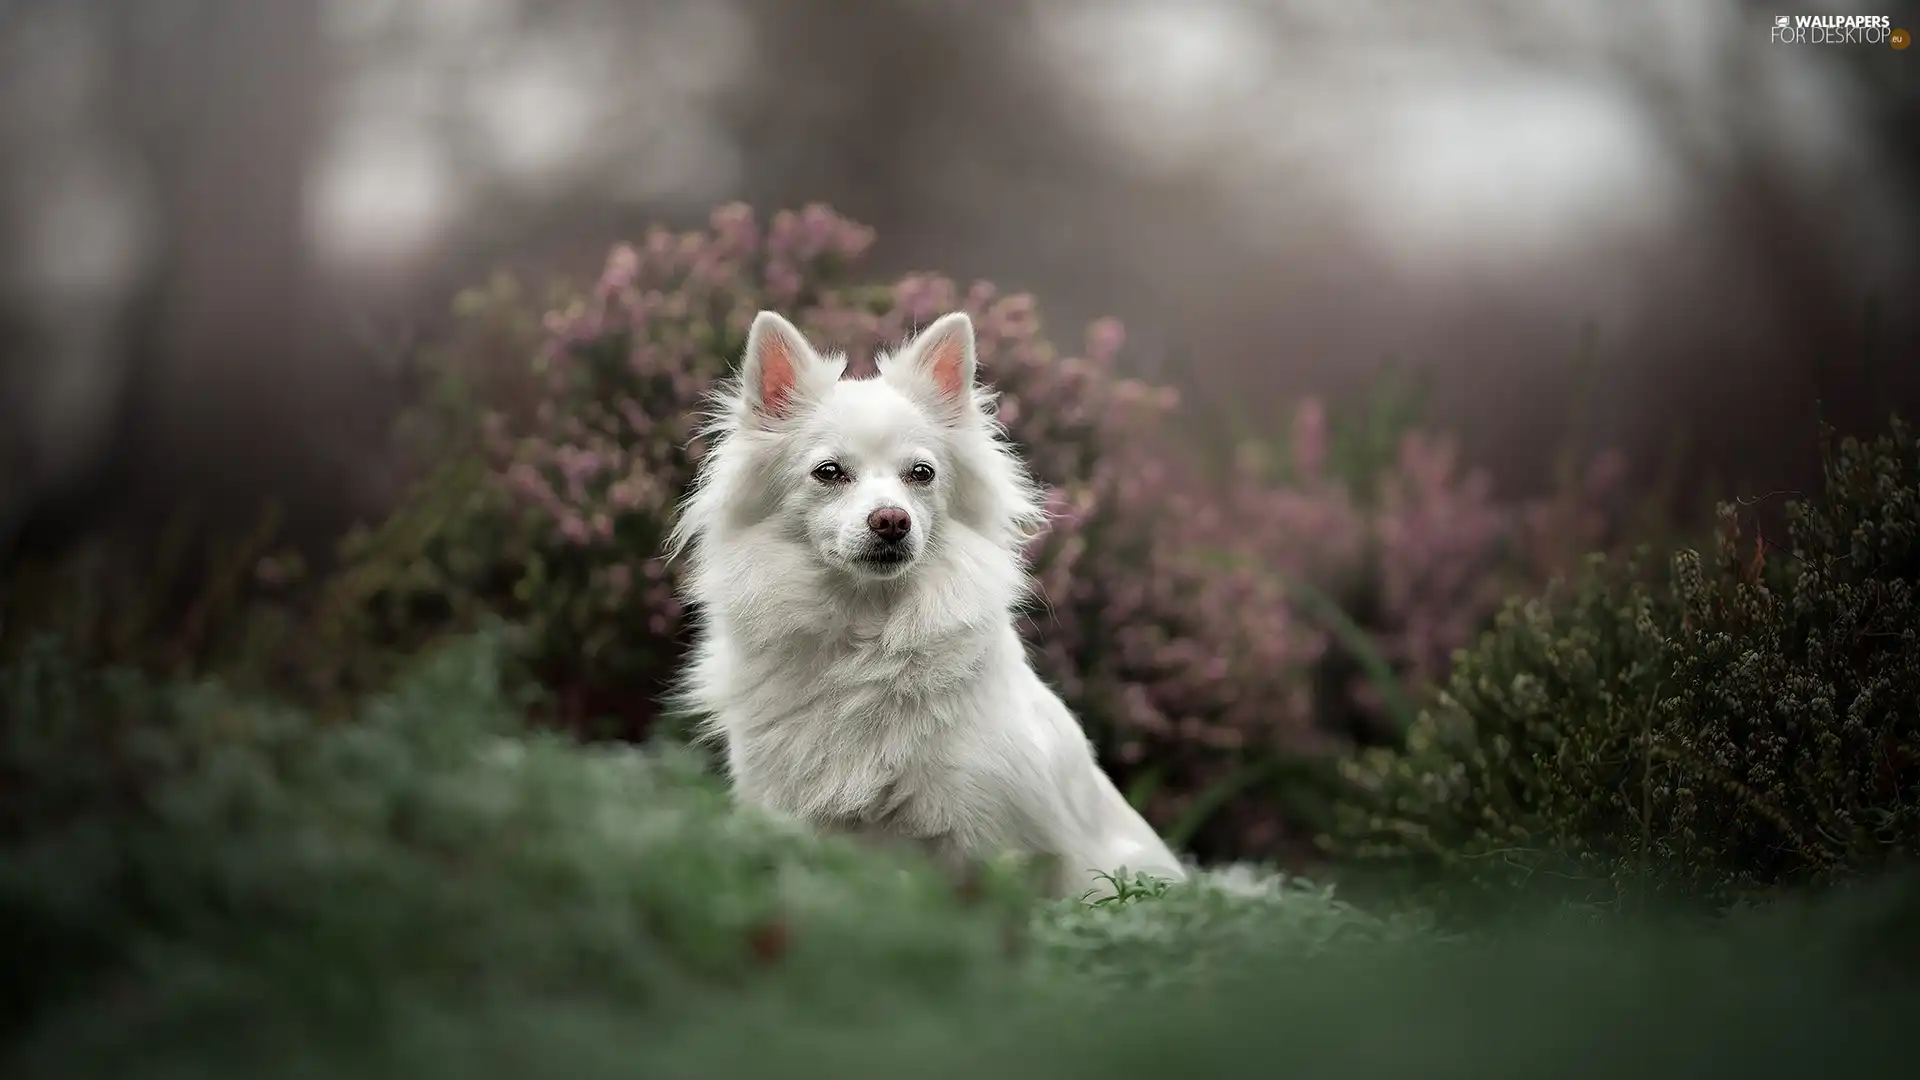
(942, 358)
(770, 373)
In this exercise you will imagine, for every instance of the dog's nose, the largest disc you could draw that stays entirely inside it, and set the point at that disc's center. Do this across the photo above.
(890, 523)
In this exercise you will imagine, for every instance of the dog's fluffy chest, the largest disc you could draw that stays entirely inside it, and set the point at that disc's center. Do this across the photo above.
(869, 739)
(885, 781)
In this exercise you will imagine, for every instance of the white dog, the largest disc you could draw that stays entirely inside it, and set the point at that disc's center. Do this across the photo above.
(856, 562)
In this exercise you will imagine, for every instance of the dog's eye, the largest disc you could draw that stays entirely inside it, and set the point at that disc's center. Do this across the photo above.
(921, 473)
(829, 472)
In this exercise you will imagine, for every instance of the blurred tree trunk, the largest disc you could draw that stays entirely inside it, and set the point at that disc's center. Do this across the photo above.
(219, 101)
(223, 102)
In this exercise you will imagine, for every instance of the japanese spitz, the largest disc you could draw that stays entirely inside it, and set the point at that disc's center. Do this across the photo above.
(855, 550)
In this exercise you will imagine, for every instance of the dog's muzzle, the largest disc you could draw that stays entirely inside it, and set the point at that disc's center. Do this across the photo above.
(889, 530)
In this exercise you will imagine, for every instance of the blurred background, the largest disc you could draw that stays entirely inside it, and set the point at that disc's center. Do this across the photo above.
(348, 370)
(224, 220)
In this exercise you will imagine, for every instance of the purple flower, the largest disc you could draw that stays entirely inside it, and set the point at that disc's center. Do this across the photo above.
(1104, 339)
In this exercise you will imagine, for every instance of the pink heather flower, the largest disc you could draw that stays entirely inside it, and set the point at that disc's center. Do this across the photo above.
(1104, 339)
(853, 242)
(819, 230)
(1017, 316)
(736, 233)
(980, 296)
(623, 268)
(573, 528)
(783, 282)
(783, 235)
(711, 271)
(525, 483)
(659, 247)
(918, 300)
(578, 466)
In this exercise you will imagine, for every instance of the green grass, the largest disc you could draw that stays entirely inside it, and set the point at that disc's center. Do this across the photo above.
(193, 884)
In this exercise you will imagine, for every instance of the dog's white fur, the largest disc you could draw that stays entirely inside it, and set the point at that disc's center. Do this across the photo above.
(886, 698)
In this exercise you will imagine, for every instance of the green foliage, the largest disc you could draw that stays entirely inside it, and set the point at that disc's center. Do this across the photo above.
(1365, 441)
(175, 856)
(455, 553)
(1518, 769)
(1797, 680)
(193, 594)
(1353, 444)
(145, 823)
(196, 882)
(1150, 934)
(438, 567)
(1752, 720)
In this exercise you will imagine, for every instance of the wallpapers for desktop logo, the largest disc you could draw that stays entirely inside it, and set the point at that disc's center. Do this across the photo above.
(1838, 30)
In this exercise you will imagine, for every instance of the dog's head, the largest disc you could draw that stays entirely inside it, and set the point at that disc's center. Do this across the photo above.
(869, 475)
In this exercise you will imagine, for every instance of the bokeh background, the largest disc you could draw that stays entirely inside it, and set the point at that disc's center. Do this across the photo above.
(224, 220)
(349, 358)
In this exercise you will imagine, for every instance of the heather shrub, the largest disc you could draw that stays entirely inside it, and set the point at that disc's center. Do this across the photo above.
(1519, 762)
(1176, 610)
(1416, 552)
(553, 512)
(1746, 720)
